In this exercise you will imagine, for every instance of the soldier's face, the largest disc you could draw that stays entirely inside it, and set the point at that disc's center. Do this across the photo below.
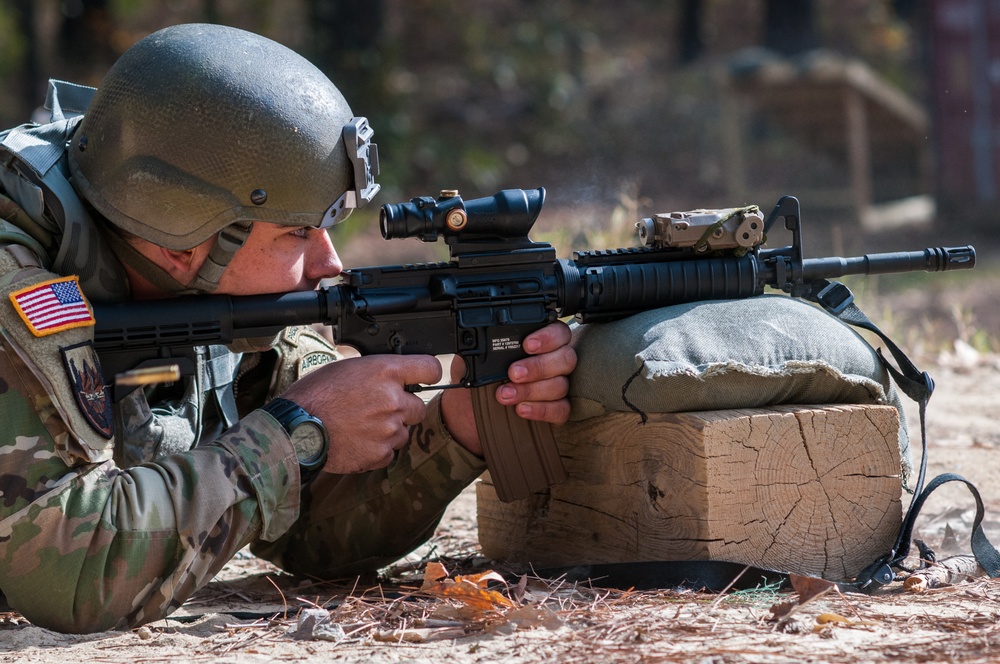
(279, 259)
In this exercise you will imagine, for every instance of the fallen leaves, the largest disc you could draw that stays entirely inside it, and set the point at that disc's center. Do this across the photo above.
(492, 609)
(829, 620)
(471, 590)
(443, 607)
(809, 588)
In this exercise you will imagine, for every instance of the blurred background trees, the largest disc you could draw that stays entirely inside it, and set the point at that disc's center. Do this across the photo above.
(625, 107)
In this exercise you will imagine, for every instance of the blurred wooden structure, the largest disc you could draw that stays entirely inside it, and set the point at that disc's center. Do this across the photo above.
(807, 489)
(841, 109)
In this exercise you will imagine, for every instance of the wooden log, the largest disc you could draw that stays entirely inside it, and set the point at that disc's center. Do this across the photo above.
(810, 490)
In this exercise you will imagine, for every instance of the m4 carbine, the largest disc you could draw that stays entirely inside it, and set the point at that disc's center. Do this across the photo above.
(498, 287)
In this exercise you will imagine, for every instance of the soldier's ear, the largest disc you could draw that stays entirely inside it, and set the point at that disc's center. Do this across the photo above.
(183, 265)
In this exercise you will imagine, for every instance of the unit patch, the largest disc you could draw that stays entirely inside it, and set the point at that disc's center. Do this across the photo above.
(87, 383)
(313, 361)
(52, 306)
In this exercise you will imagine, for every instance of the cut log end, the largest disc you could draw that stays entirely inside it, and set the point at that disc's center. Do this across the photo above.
(811, 490)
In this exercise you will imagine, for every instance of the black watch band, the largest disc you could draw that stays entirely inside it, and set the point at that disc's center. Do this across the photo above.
(309, 436)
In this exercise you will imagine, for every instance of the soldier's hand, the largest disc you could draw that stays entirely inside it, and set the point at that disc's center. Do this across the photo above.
(537, 385)
(365, 407)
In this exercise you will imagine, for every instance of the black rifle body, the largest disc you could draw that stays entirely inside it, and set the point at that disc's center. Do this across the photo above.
(481, 304)
(481, 312)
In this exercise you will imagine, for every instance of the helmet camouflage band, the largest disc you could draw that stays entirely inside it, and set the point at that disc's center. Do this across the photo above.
(197, 128)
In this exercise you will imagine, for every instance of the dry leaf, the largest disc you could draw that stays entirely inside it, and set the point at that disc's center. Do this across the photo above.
(828, 620)
(810, 587)
(471, 594)
(433, 573)
(517, 592)
(782, 609)
(481, 579)
(470, 590)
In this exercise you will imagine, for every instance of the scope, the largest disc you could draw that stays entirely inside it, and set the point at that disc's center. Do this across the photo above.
(507, 215)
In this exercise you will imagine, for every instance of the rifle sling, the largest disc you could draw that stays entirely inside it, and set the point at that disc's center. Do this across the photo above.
(918, 385)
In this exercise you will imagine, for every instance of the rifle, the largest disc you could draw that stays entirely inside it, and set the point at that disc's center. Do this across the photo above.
(497, 287)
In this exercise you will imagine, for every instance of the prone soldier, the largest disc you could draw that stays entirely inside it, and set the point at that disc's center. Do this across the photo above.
(210, 160)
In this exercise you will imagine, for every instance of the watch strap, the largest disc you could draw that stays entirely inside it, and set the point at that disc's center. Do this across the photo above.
(290, 416)
(285, 411)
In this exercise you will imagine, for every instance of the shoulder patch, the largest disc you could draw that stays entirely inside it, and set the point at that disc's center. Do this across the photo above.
(314, 360)
(300, 350)
(87, 384)
(53, 306)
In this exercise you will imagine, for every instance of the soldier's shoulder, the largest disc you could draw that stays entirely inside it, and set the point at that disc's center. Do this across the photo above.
(48, 323)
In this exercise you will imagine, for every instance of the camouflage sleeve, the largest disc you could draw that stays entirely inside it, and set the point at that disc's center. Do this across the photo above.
(87, 546)
(351, 524)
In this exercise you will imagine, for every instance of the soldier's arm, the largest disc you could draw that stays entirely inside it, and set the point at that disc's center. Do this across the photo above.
(354, 523)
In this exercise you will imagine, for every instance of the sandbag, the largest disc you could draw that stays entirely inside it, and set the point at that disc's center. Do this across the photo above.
(720, 354)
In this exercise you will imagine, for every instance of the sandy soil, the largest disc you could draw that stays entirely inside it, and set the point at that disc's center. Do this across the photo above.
(252, 613)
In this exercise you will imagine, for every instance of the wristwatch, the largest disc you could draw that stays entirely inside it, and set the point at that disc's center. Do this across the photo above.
(309, 437)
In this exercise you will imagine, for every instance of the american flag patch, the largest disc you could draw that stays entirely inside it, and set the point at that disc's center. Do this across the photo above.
(53, 306)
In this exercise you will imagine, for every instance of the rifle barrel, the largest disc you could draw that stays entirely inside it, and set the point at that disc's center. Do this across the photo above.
(932, 259)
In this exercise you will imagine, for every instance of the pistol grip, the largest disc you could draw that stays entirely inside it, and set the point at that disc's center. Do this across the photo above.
(521, 454)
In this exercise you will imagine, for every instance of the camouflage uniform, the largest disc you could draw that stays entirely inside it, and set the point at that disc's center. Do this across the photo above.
(103, 531)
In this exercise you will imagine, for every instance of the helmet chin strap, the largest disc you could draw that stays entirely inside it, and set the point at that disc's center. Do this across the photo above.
(227, 243)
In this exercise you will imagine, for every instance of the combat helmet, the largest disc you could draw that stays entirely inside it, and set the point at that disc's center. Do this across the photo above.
(200, 130)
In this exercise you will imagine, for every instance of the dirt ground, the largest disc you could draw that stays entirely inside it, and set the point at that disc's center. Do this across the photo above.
(253, 613)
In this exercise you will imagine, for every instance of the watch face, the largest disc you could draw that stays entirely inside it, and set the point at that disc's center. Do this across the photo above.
(309, 441)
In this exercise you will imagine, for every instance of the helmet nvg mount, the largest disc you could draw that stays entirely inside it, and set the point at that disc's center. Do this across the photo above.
(200, 130)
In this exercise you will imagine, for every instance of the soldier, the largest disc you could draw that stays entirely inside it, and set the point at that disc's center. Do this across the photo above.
(209, 160)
